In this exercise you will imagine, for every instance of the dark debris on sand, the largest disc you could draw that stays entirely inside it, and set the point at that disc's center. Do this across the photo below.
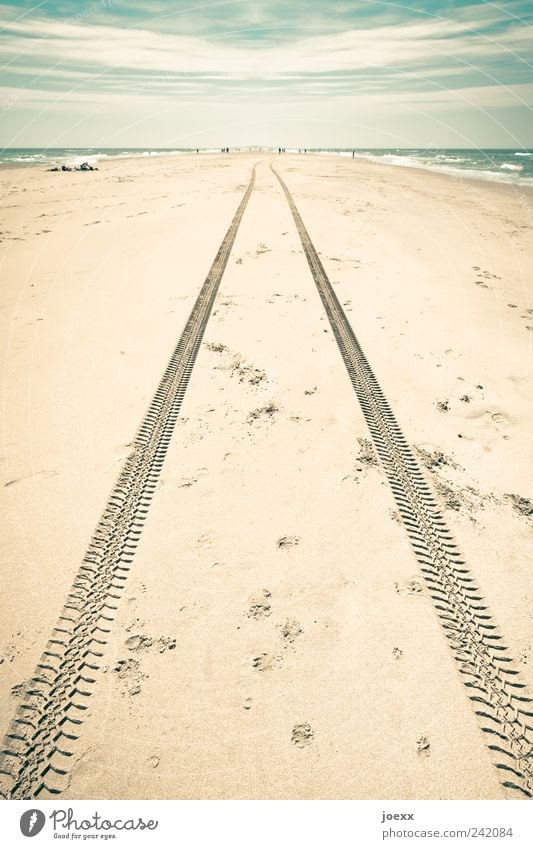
(522, 505)
(263, 412)
(367, 455)
(433, 460)
(302, 735)
(83, 167)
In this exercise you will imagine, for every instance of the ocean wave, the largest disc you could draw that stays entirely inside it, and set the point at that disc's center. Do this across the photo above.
(445, 157)
(449, 164)
(491, 165)
(38, 157)
(97, 156)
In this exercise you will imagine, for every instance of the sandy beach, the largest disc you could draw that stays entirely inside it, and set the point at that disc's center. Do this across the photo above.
(275, 637)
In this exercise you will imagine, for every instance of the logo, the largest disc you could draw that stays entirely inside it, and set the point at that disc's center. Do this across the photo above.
(32, 822)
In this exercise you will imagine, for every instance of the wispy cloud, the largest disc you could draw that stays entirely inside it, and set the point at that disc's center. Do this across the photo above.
(390, 46)
(475, 55)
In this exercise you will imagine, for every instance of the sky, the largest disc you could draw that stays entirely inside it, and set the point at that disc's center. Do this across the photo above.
(296, 73)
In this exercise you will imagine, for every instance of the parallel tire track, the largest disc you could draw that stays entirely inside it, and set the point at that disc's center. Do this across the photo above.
(499, 699)
(34, 758)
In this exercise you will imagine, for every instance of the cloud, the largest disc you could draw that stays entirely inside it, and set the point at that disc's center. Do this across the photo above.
(373, 54)
(109, 48)
(483, 97)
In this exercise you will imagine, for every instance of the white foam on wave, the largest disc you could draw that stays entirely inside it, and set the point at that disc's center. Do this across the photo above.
(445, 157)
(439, 167)
(79, 160)
(29, 157)
(92, 158)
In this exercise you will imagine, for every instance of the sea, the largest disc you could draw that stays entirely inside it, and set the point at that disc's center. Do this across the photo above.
(511, 165)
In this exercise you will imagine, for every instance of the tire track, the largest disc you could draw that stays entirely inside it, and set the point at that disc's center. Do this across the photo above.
(35, 754)
(500, 702)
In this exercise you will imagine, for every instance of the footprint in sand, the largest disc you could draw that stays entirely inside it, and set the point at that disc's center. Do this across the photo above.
(485, 275)
(141, 642)
(165, 644)
(500, 418)
(495, 419)
(290, 629)
(302, 735)
(129, 675)
(260, 606)
(204, 541)
(288, 542)
(264, 661)
(138, 642)
(412, 587)
(423, 748)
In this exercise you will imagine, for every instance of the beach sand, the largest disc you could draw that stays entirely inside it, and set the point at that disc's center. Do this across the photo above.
(275, 638)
